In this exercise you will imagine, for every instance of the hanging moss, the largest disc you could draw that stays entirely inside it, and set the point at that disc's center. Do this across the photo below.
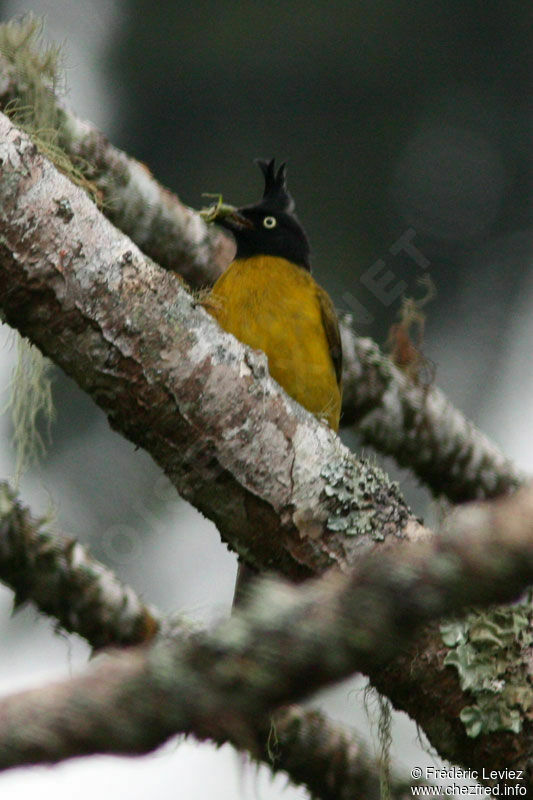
(382, 720)
(39, 81)
(30, 401)
(34, 110)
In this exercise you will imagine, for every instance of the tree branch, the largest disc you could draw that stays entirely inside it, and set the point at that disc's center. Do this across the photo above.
(60, 577)
(420, 428)
(63, 580)
(416, 425)
(281, 488)
(218, 684)
(279, 485)
(332, 763)
(152, 216)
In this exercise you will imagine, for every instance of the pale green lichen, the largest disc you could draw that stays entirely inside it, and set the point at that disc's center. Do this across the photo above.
(362, 499)
(488, 649)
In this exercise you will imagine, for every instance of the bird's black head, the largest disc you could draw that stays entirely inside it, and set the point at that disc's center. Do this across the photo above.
(269, 227)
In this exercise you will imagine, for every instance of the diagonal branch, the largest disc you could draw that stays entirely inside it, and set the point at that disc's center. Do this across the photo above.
(418, 426)
(218, 684)
(63, 580)
(332, 763)
(60, 577)
(281, 488)
(167, 230)
(279, 485)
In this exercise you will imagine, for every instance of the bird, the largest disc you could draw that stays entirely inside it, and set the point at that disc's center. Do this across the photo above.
(268, 299)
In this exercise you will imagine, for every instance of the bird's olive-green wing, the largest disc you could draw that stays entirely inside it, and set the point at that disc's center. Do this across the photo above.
(331, 327)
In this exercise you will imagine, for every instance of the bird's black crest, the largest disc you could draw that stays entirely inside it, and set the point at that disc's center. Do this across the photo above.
(284, 237)
(276, 195)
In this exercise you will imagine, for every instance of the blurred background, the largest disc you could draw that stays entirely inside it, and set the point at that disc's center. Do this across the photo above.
(395, 118)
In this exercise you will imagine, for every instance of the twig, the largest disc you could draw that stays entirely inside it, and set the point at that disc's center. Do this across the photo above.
(420, 427)
(64, 581)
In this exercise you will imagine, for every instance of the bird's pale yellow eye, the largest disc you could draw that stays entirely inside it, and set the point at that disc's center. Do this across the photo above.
(270, 222)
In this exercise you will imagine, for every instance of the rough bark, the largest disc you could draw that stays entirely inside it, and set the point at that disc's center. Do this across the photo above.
(61, 579)
(217, 685)
(416, 425)
(281, 488)
(420, 428)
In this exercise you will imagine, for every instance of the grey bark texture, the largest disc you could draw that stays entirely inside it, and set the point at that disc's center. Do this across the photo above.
(281, 488)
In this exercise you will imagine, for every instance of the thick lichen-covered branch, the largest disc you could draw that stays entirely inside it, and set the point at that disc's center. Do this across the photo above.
(281, 488)
(285, 644)
(279, 485)
(416, 425)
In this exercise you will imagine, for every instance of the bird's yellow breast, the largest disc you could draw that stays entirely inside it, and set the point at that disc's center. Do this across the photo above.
(273, 305)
